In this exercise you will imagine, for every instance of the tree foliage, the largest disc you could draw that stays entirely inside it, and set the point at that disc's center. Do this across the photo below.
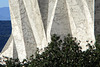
(64, 53)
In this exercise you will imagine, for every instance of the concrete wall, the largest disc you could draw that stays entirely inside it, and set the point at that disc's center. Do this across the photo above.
(34, 21)
(97, 17)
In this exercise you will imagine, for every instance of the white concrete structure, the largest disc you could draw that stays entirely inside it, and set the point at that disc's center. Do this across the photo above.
(33, 22)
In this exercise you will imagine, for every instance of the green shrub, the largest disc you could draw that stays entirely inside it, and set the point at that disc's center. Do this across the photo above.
(65, 53)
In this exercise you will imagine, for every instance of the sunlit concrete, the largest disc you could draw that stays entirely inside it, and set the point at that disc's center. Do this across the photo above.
(34, 21)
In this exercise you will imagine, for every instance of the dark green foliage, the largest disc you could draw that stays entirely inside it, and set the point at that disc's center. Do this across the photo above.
(12, 62)
(67, 53)
(64, 53)
(2, 65)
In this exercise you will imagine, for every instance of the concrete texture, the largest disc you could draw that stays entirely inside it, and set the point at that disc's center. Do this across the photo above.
(34, 21)
(81, 18)
(97, 17)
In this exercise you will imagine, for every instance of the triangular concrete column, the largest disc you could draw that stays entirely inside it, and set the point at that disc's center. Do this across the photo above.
(34, 21)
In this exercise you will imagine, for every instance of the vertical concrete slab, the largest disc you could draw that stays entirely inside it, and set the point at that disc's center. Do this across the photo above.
(34, 21)
(33, 12)
(44, 6)
(82, 20)
(30, 44)
(51, 13)
(17, 28)
(97, 17)
(61, 24)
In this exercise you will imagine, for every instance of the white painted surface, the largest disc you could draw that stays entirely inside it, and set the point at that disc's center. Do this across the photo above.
(33, 23)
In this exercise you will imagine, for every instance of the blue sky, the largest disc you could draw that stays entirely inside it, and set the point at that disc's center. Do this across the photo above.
(4, 10)
(4, 3)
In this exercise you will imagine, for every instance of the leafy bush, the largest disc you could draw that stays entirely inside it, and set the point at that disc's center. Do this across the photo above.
(64, 53)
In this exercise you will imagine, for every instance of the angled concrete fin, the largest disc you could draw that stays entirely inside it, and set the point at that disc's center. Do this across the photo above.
(15, 53)
(33, 12)
(51, 12)
(43, 6)
(28, 36)
(82, 25)
(34, 21)
(7, 44)
(17, 29)
(61, 25)
(8, 49)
